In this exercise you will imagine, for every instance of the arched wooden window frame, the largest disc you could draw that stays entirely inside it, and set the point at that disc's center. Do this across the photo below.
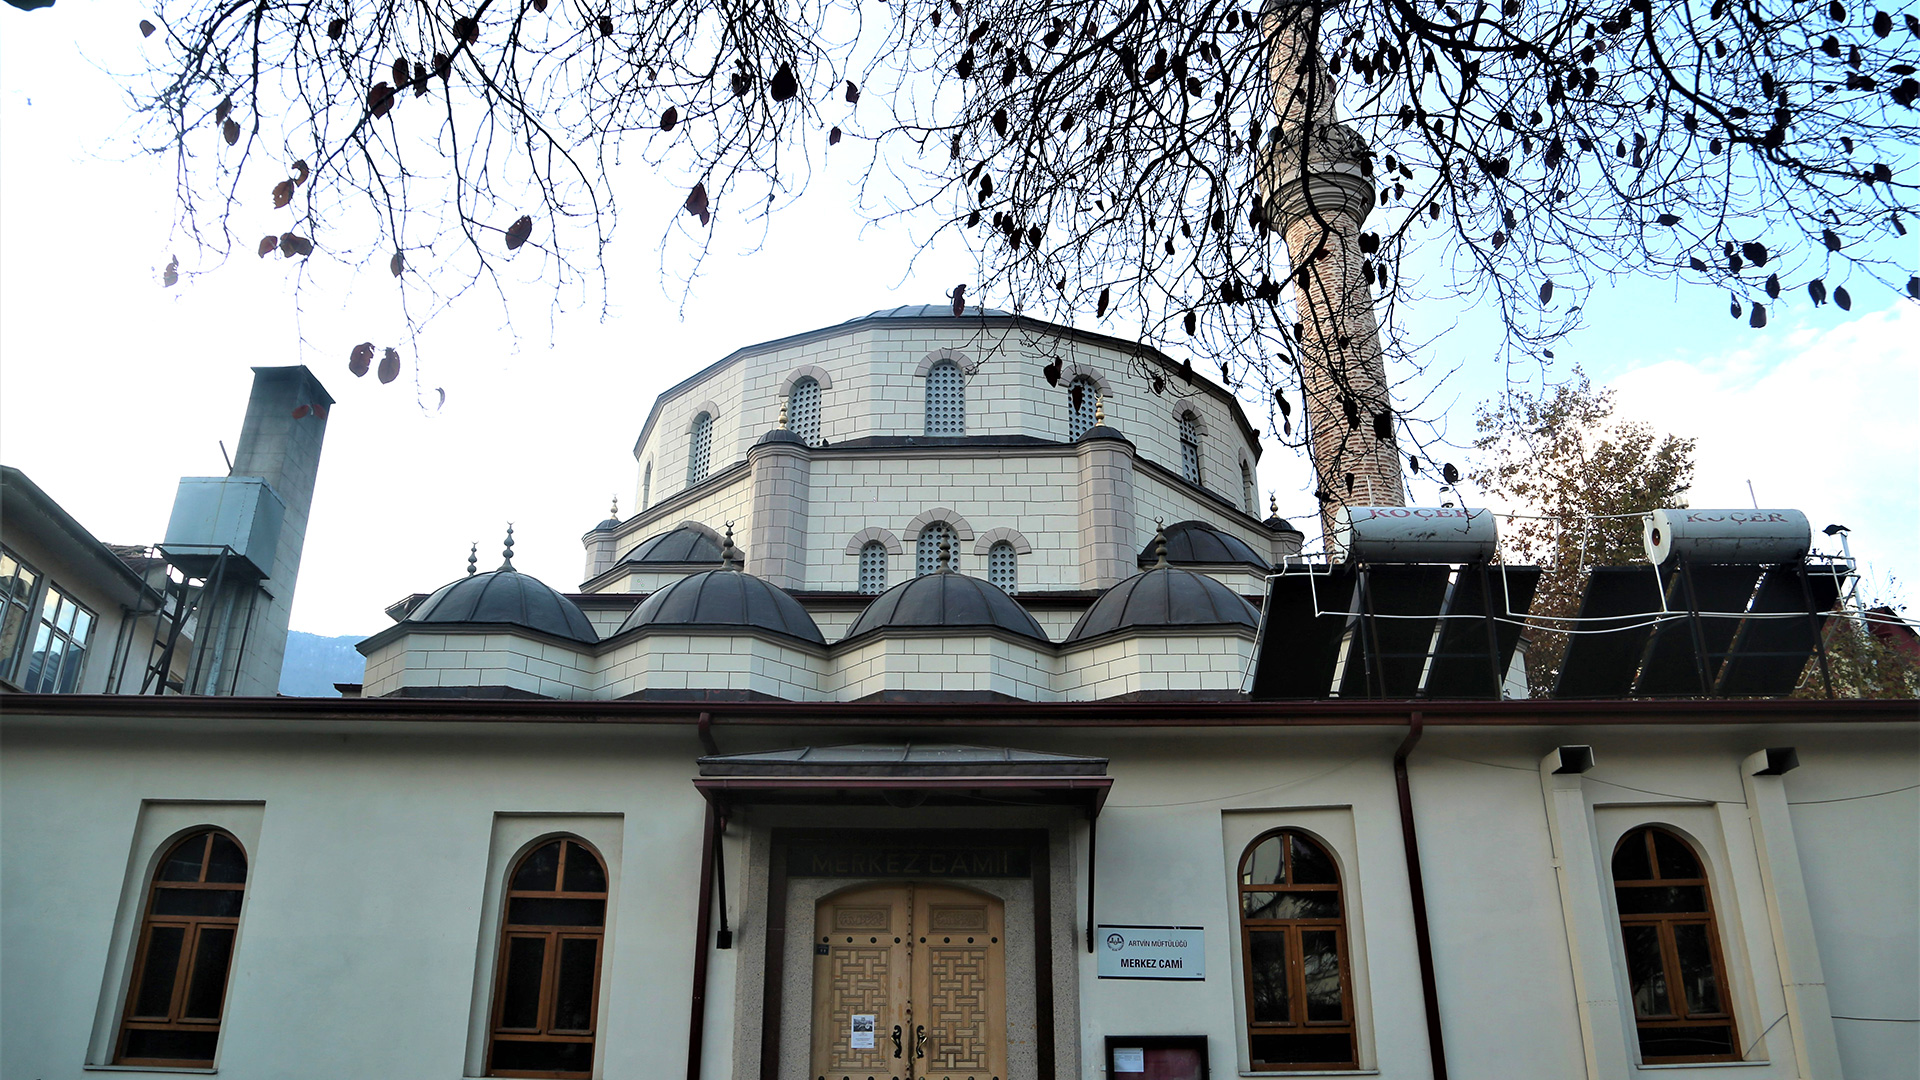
(547, 1029)
(1673, 886)
(1297, 1026)
(203, 907)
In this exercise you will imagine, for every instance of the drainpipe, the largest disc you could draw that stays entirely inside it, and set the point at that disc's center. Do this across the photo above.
(703, 924)
(1423, 940)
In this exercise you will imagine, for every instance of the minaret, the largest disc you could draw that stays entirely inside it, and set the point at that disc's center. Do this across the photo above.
(1317, 193)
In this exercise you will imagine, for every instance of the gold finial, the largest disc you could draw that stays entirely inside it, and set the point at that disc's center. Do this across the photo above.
(1099, 409)
(783, 415)
(1159, 544)
(616, 506)
(473, 559)
(946, 554)
(1273, 504)
(506, 552)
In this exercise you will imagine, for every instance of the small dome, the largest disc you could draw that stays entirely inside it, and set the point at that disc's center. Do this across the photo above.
(947, 600)
(1279, 524)
(726, 598)
(780, 435)
(608, 525)
(1199, 542)
(687, 542)
(1168, 596)
(506, 597)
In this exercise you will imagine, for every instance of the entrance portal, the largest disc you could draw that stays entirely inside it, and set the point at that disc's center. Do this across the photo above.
(909, 983)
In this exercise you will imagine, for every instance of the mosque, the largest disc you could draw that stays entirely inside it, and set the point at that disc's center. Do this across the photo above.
(946, 708)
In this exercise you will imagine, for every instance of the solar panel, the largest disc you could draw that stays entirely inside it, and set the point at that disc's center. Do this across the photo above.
(1461, 666)
(1297, 647)
(1767, 655)
(1668, 667)
(1600, 661)
(1388, 655)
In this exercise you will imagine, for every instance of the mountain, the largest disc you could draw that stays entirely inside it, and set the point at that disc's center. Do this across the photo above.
(315, 663)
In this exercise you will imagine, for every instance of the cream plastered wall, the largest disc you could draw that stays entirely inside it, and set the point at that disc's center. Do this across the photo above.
(365, 918)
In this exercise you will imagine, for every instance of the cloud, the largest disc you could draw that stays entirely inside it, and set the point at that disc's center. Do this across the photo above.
(1824, 421)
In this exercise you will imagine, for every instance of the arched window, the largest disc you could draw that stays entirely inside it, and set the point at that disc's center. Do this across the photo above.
(1082, 392)
(1001, 566)
(1674, 967)
(946, 400)
(873, 568)
(1293, 943)
(646, 486)
(926, 550)
(803, 410)
(1247, 496)
(183, 954)
(547, 983)
(1190, 447)
(698, 448)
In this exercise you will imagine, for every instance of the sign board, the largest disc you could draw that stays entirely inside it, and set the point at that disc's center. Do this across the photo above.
(1151, 952)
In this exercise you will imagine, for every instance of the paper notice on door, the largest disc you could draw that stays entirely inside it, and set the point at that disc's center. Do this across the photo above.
(1129, 1059)
(862, 1031)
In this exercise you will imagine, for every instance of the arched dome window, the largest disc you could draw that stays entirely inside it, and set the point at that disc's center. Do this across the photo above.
(946, 400)
(1293, 945)
(547, 983)
(803, 410)
(926, 550)
(1190, 447)
(646, 486)
(699, 448)
(1081, 394)
(1248, 499)
(1001, 566)
(183, 954)
(1674, 969)
(873, 568)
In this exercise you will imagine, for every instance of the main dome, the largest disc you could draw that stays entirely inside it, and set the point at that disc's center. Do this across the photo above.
(726, 598)
(948, 601)
(1168, 596)
(1201, 542)
(507, 597)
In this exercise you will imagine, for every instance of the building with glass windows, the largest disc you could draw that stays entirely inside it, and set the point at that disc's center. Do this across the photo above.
(948, 708)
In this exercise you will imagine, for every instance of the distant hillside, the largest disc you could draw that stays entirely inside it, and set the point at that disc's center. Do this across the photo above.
(315, 663)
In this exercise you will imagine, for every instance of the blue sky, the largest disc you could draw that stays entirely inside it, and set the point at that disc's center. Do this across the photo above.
(111, 387)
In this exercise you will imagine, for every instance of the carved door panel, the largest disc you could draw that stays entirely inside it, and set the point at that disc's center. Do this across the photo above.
(927, 964)
(862, 944)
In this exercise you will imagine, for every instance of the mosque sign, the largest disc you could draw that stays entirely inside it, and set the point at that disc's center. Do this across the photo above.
(1151, 952)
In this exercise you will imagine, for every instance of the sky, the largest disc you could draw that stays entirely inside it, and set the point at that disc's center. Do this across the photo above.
(112, 387)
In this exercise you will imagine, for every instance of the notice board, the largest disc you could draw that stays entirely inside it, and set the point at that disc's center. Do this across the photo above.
(1157, 1057)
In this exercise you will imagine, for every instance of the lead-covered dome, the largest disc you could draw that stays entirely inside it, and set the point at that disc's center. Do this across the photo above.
(687, 542)
(948, 601)
(506, 597)
(726, 599)
(1200, 542)
(1168, 596)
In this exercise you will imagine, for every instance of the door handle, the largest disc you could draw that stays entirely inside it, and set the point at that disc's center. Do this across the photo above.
(920, 1040)
(896, 1040)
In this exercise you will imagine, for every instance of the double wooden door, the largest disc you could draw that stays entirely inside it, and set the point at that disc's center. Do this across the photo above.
(909, 983)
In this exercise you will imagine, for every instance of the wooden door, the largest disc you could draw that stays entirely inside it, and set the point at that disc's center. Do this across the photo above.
(922, 966)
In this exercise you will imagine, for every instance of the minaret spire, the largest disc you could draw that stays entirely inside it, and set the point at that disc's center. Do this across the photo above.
(1318, 193)
(506, 552)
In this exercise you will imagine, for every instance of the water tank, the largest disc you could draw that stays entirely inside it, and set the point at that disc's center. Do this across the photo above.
(1727, 536)
(1415, 534)
(210, 512)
